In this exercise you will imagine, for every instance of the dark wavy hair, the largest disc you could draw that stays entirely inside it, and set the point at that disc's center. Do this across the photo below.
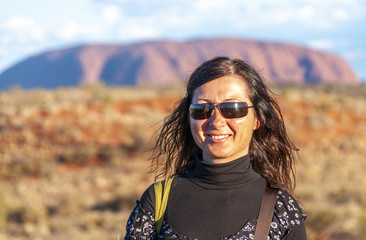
(271, 150)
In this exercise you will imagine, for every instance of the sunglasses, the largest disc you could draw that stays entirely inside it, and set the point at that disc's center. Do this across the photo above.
(227, 109)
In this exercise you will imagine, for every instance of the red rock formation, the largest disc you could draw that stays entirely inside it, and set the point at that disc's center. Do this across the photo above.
(168, 62)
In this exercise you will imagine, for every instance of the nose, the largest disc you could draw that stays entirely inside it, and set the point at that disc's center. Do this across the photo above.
(216, 119)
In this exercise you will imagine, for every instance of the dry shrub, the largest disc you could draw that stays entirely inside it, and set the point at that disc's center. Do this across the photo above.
(69, 206)
(344, 195)
(116, 204)
(28, 214)
(3, 209)
(78, 155)
(27, 165)
(362, 221)
(320, 220)
(92, 223)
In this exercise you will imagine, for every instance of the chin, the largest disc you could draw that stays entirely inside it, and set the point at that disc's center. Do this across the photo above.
(219, 157)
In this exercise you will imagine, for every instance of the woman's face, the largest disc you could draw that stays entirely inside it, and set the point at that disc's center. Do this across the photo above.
(223, 139)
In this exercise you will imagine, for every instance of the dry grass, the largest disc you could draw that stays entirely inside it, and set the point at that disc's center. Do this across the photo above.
(73, 161)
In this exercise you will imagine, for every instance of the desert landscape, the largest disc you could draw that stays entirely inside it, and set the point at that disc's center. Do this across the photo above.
(75, 160)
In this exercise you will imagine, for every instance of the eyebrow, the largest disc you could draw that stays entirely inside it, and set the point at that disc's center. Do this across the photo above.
(225, 100)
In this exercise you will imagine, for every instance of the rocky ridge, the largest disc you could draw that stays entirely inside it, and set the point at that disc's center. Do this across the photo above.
(162, 63)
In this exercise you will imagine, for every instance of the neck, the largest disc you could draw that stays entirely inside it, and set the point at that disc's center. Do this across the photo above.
(214, 160)
(231, 174)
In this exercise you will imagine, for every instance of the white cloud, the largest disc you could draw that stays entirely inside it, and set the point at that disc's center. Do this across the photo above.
(69, 31)
(80, 31)
(17, 22)
(138, 29)
(111, 14)
(306, 12)
(213, 5)
(22, 29)
(340, 14)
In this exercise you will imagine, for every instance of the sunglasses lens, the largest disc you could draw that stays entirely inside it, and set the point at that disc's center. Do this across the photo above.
(234, 109)
(227, 109)
(200, 111)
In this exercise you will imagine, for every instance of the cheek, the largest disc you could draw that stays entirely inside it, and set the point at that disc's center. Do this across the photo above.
(241, 126)
(194, 127)
(236, 124)
(197, 127)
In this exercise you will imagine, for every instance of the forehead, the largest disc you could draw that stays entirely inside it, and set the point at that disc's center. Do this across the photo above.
(223, 88)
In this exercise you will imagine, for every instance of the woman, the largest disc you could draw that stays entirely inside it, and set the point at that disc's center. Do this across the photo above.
(223, 144)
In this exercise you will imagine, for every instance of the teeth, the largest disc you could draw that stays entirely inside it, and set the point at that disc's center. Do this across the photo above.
(219, 136)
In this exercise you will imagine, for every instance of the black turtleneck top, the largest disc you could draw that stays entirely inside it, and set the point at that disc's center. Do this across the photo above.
(214, 201)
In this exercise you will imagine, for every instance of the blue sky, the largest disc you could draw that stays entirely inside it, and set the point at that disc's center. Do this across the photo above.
(31, 27)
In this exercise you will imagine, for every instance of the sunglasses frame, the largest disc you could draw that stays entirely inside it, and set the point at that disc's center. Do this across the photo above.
(208, 108)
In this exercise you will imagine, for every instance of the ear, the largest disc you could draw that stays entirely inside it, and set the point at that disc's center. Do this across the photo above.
(257, 123)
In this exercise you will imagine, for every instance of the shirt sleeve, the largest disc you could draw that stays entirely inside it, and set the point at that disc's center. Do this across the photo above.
(288, 219)
(297, 233)
(140, 224)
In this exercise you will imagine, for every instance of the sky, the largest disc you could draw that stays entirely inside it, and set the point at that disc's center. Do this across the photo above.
(31, 27)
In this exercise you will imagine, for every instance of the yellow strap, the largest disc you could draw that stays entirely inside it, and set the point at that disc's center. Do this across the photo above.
(161, 202)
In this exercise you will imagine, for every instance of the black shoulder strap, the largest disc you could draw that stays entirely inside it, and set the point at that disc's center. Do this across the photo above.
(265, 213)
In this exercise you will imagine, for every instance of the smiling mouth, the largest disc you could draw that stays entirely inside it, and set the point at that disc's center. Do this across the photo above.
(218, 137)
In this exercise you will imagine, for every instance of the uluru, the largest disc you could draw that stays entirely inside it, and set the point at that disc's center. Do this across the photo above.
(162, 63)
